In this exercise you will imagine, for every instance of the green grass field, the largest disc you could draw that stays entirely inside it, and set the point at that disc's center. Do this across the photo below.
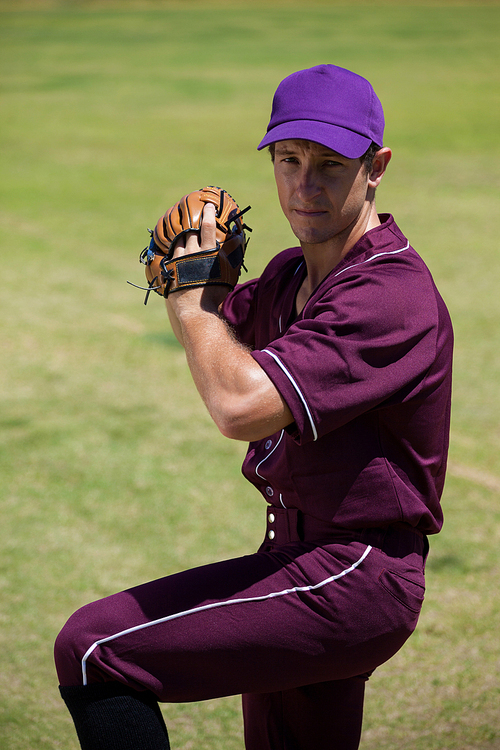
(111, 471)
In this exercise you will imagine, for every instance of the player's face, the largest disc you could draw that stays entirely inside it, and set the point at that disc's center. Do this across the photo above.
(323, 195)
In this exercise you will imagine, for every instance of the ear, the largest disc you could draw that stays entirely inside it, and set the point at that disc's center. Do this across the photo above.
(380, 162)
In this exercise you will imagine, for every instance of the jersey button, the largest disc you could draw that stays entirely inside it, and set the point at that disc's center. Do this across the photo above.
(271, 534)
(268, 444)
(269, 491)
(271, 518)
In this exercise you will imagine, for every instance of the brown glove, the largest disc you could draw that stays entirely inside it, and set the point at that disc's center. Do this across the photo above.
(219, 266)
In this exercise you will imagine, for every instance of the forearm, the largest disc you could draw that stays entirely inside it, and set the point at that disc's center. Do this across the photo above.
(174, 323)
(241, 399)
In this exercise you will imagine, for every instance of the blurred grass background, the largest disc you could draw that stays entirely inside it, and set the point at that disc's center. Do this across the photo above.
(111, 473)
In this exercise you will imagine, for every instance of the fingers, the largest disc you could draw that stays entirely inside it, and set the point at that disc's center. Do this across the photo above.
(208, 227)
(193, 242)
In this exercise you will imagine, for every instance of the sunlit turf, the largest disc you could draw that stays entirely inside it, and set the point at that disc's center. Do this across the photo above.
(111, 471)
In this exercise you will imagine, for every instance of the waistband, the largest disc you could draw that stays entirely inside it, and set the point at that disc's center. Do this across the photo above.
(291, 525)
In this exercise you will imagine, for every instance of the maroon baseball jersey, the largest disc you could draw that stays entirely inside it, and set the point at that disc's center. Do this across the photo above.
(365, 369)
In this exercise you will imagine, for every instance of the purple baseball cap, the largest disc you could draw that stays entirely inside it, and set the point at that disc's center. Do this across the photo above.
(328, 105)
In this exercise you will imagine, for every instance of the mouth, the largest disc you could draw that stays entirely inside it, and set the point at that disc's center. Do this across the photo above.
(308, 213)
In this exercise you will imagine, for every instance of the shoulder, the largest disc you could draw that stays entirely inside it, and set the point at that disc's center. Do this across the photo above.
(284, 263)
(382, 253)
(385, 244)
(258, 297)
(382, 282)
(282, 266)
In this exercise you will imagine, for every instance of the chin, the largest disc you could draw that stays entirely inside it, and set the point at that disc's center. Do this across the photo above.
(312, 238)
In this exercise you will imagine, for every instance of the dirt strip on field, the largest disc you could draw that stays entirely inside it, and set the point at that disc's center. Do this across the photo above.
(483, 478)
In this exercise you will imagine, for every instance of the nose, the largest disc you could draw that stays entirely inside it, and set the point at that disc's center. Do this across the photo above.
(308, 185)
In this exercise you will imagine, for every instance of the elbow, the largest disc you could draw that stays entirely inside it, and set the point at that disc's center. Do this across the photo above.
(236, 414)
(234, 433)
(235, 426)
(249, 421)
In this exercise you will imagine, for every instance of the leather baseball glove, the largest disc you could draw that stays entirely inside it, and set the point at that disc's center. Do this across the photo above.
(219, 266)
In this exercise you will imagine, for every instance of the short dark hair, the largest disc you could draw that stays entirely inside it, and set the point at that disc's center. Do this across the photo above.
(369, 155)
(366, 159)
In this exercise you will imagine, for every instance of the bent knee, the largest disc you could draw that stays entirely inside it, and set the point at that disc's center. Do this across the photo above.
(70, 647)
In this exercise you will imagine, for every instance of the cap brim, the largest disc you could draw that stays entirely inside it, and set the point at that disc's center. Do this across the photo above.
(345, 142)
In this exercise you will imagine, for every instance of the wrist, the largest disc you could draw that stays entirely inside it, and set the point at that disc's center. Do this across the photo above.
(197, 300)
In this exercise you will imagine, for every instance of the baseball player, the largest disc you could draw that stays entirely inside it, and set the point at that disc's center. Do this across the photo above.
(335, 366)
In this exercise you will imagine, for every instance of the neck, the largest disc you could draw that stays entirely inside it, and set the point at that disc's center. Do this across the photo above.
(322, 258)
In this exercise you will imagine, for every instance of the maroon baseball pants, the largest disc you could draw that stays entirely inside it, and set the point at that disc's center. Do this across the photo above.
(295, 628)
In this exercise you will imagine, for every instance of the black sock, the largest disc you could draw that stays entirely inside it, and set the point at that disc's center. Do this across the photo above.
(110, 716)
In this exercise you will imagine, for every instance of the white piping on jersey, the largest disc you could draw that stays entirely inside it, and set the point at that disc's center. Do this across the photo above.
(377, 255)
(268, 456)
(265, 459)
(298, 267)
(294, 383)
(215, 605)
